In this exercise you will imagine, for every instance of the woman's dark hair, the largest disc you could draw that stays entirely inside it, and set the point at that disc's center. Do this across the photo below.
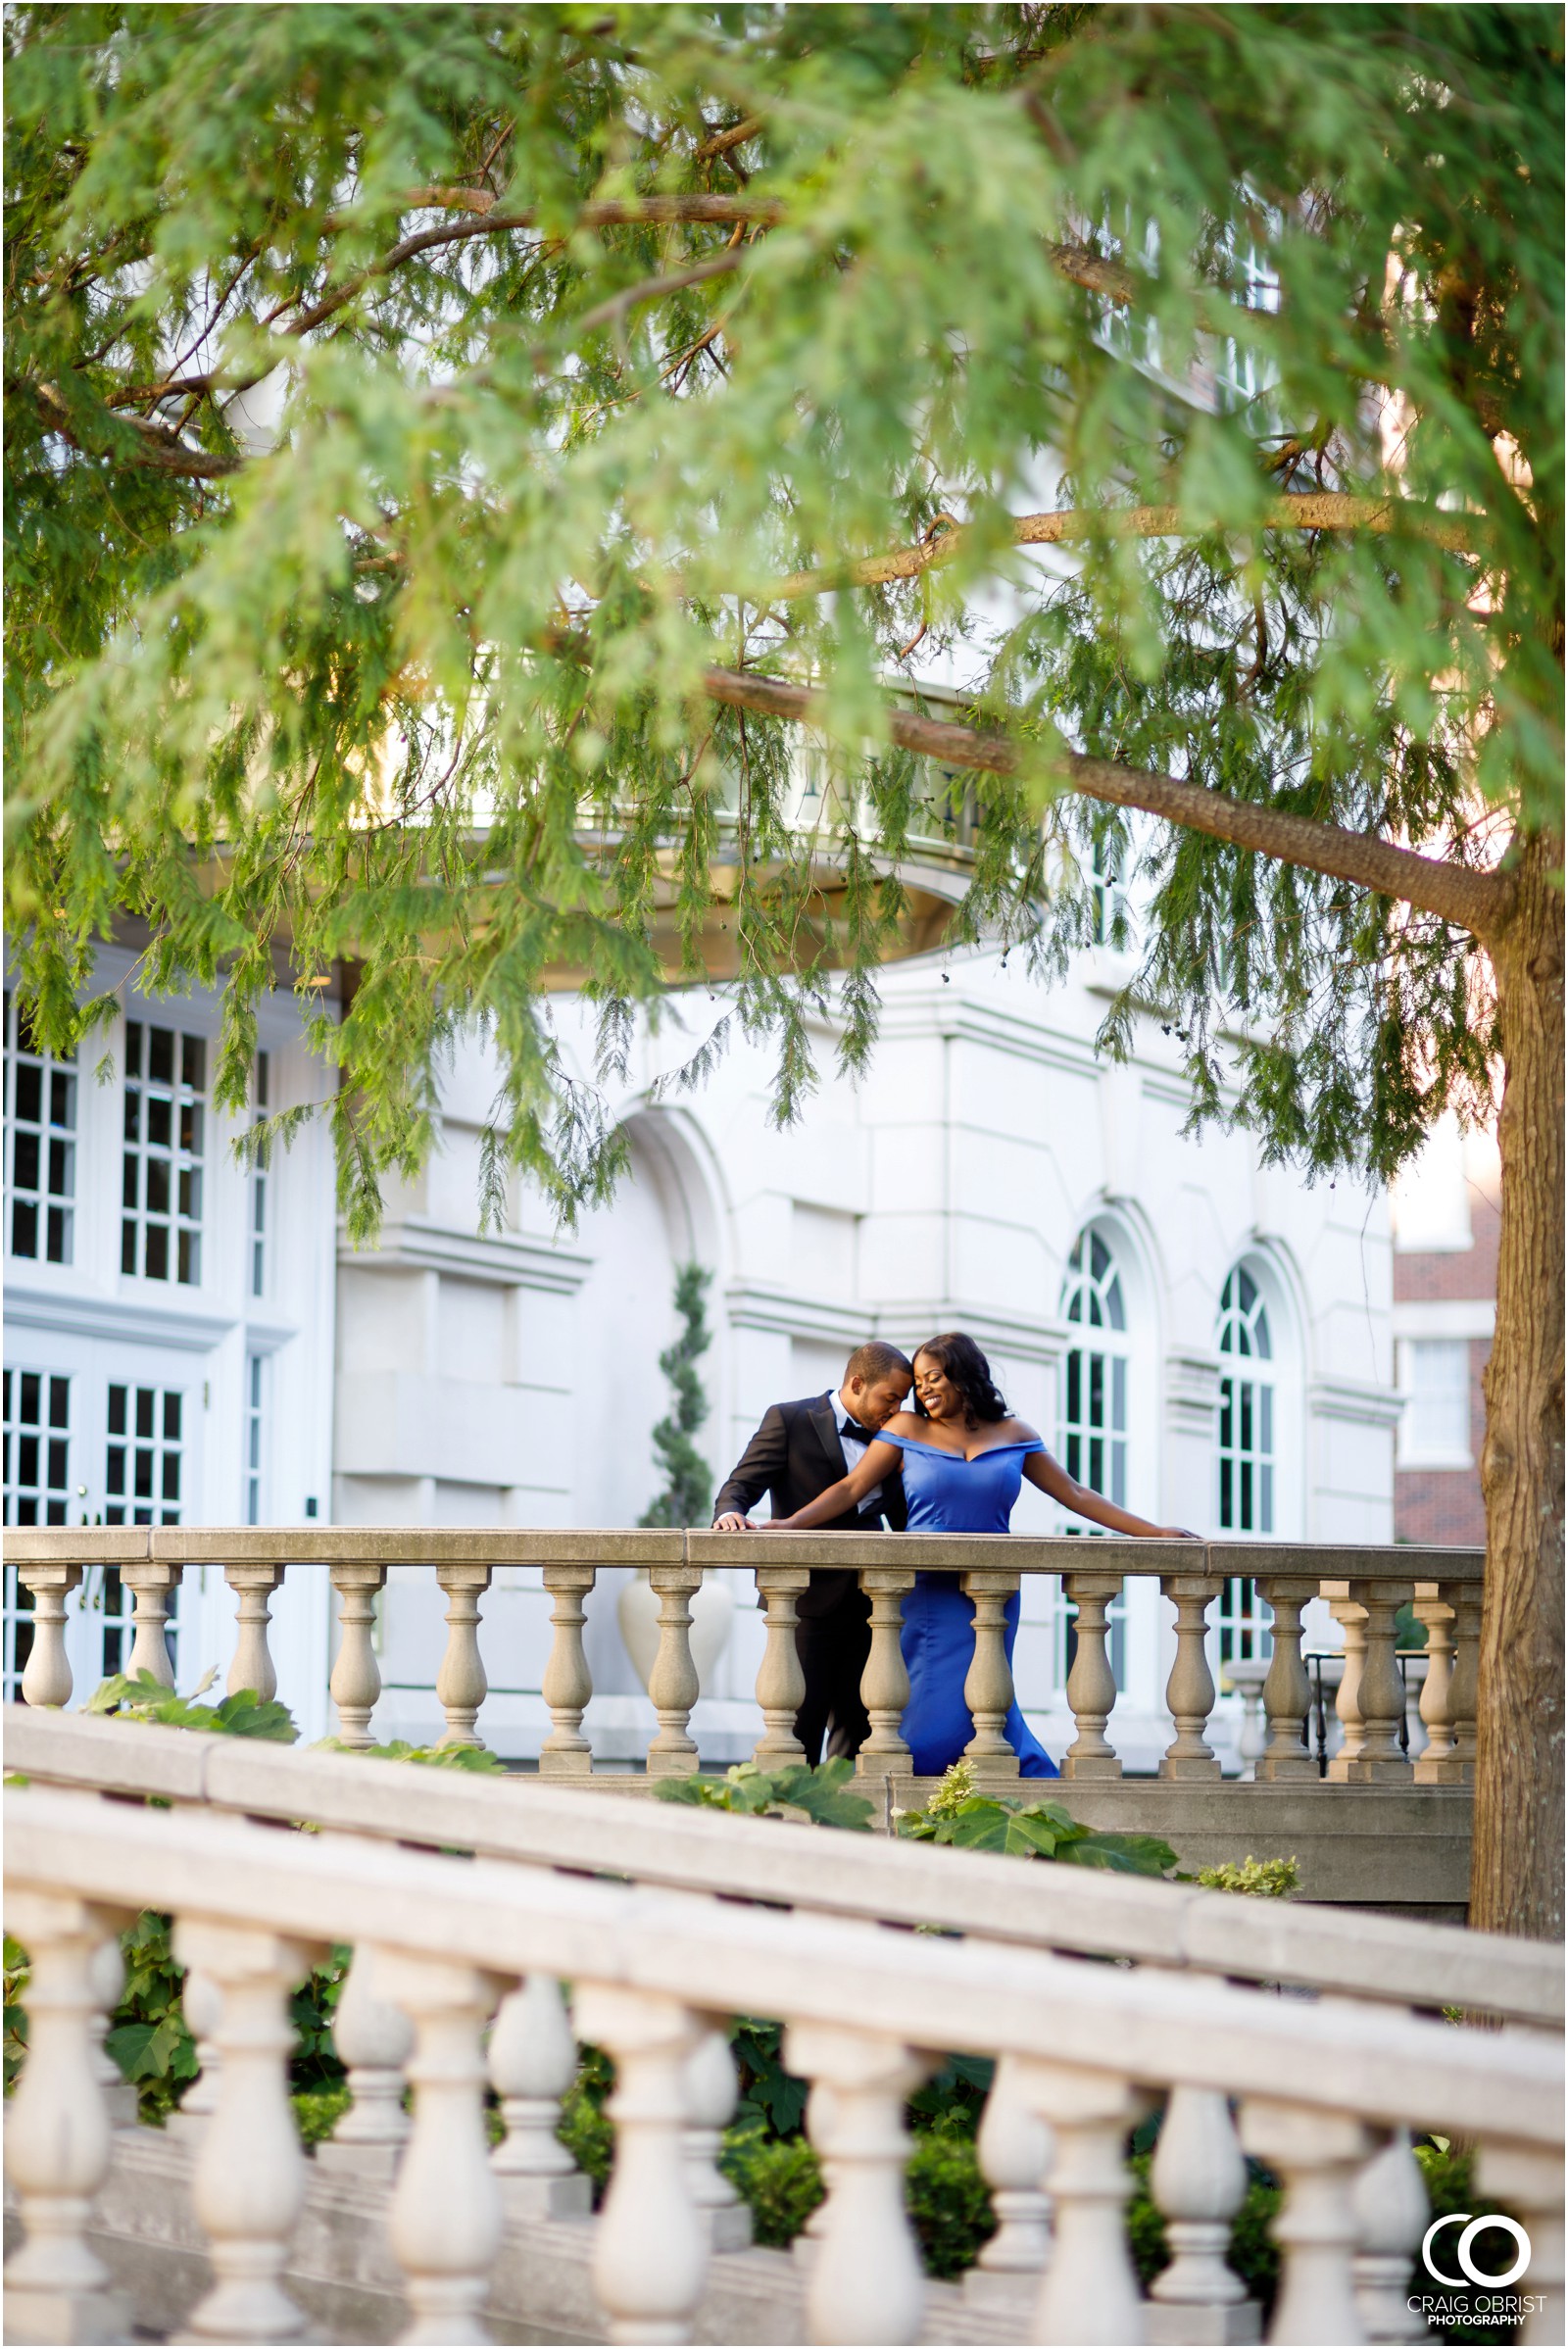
(960, 1359)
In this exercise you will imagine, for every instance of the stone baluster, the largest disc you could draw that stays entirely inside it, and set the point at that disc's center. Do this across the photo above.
(46, 1677)
(651, 2245)
(356, 1682)
(1091, 1684)
(249, 2182)
(1448, 1709)
(203, 2003)
(461, 1685)
(780, 1680)
(108, 1978)
(58, 2134)
(253, 1667)
(1288, 1691)
(988, 1687)
(712, 2086)
(1391, 2211)
(866, 2281)
(153, 1584)
(1089, 2294)
(1316, 2156)
(1014, 2148)
(1528, 2180)
(568, 1683)
(533, 2060)
(672, 1685)
(1434, 1612)
(885, 1683)
(444, 2223)
(1189, 1691)
(1198, 2178)
(819, 2130)
(374, 2039)
(1352, 1620)
(1380, 1692)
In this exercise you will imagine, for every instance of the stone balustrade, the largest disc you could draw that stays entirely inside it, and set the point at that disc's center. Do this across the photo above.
(1365, 1588)
(1326, 2093)
(1175, 1927)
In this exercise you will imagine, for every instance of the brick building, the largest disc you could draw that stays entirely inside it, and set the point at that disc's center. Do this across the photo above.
(1446, 1221)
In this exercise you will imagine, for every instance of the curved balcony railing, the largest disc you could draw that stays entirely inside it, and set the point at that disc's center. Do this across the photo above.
(1365, 1589)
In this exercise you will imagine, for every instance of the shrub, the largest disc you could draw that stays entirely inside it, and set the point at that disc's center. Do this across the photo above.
(778, 2179)
(1262, 1879)
(797, 1792)
(948, 2201)
(958, 1814)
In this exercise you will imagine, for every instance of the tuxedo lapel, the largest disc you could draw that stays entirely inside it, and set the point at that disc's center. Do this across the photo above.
(827, 1435)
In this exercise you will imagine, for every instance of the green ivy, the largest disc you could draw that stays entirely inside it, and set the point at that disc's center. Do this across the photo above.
(797, 1792)
(478, 1759)
(244, 1714)
(17, 1975)
(149, 2038)
(958, 1814)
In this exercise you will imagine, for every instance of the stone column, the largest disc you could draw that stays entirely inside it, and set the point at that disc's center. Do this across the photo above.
(651, 2245)
(58, 2134)
(1286, 1756)
(568, 1685)
(1380, 1692)
(356, 1682)
(672, 1685)
(374, 2039)
(1391, 2211)
(252, 1668)
(153, 1584)
(780, 1680)
(461, 1685)
(445, 2221)
(988, 1688)
(1014, 2148)
(1091, 1684)
(1317, 2155)
(1352, 1620)
(1089, 2297)
(866, 2281)
(1198, 2178)
(884, 1684)
(533, 2060)
(46, 1678)
(249, 2184)
(1189, 1691)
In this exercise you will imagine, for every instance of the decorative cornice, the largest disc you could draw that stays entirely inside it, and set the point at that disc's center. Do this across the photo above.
(81, 1315)
(509, 1261)
(1348, 1399)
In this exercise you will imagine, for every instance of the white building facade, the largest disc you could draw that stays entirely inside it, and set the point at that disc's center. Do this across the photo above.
(1207, 1340)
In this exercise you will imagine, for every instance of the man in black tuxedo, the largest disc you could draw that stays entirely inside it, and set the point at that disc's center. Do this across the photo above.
(797, 1451)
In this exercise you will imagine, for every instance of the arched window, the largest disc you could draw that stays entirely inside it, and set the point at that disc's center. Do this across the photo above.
(1095, 1382)
(1093, 1419)
(1245, 1453)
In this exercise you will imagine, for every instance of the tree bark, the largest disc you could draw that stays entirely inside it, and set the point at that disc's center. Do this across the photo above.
(1516, 1878)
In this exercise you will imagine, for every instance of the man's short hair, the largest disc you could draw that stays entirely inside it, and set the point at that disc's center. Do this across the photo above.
(875, 1361)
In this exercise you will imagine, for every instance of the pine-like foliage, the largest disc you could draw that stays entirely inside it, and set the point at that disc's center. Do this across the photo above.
(688, 1494)
(407, 411)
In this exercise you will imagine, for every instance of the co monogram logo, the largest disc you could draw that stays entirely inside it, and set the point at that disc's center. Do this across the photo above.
(1461, 2250)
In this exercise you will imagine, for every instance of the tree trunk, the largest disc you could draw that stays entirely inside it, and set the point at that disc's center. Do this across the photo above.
(1516, 1878)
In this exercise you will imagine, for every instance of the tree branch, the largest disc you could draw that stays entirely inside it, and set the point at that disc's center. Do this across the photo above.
(1477, 901)
(651, 288)
(1317, 510)
(161, 450)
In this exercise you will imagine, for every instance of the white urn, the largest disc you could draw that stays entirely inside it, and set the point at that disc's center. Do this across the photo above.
(713, 1609)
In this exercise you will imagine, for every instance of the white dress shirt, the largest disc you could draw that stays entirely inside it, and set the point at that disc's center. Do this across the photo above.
(854, 1450)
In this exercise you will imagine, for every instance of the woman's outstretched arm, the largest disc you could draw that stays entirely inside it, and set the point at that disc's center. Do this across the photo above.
(878, 1462)
(1050, 1476)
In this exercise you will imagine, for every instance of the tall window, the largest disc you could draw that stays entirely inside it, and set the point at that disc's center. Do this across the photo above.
(40, 1116)
(254, 1375)
(145, 1457)
(160, 1223)
(259, 1190)
(1095, 1380)
(1245, 1457)
(1434, 1428)
(37, 1491)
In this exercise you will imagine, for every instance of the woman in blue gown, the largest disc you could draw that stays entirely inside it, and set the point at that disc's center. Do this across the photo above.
(964, 1459)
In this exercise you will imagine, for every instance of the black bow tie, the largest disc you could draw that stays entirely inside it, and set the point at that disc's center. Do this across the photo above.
(853, 1427)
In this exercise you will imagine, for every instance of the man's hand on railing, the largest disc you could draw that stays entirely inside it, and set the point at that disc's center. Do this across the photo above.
(732, 1523)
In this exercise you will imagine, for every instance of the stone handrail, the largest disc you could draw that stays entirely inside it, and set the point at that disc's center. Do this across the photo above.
(1326, 2093)
(1171, 1926)
(1365, 1587)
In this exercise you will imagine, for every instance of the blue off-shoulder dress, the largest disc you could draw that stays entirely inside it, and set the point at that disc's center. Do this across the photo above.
(950, 1495)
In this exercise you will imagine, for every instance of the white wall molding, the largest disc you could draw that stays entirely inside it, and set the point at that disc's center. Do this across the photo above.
(1350, 1398)
(1472, 1317)
(509, 1260)
(125, 1319)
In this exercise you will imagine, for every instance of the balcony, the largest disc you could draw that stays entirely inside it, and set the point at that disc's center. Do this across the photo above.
(1378, 1828)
